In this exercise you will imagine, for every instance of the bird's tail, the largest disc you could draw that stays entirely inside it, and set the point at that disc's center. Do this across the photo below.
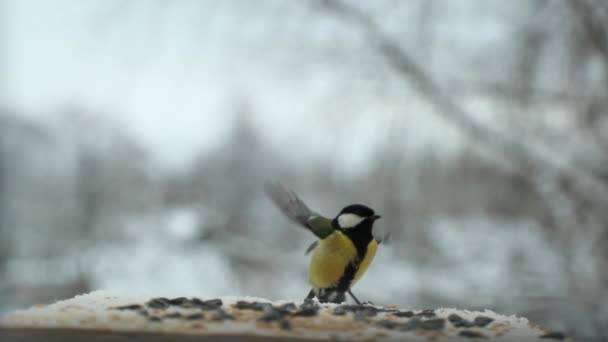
(327, 295)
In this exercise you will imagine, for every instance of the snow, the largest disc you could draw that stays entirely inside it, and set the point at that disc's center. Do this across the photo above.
(97, 311)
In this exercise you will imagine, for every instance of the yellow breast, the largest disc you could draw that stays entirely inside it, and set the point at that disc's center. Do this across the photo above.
(367, 260)
(332, 255)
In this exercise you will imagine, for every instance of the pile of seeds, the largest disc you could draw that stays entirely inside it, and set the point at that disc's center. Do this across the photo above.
(156, 309)
(283, 315)
(123, 318)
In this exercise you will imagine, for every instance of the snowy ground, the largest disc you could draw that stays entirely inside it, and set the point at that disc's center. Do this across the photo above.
(105, 313)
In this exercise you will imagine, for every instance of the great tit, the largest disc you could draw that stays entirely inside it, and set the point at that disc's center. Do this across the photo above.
(344, 251)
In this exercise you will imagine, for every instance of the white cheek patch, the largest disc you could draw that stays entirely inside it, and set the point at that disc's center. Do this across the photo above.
(349, 220)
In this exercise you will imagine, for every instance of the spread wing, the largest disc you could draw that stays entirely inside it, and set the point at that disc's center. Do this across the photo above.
(297, 211)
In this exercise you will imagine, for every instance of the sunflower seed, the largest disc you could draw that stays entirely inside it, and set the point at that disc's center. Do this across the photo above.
(460, 322)
(271, 314)
(158, 303)
(129, 307)
(173, 315)
(178, 301)
(431, 324)
(221, 315)
(471, 334)
(482, 321)
(256, 306)
(554, 335)
(194, 316)
(426, 313)
(307, 311)
(403, 314)
(288, 307)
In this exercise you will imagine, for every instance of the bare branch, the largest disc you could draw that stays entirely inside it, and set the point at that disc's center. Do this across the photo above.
(543, 167)
(594, 23)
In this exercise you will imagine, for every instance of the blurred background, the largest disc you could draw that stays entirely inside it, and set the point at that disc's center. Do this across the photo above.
(136, 136)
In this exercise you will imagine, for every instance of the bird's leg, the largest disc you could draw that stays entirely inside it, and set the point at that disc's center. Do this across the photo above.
(353, 297)
(311, 294)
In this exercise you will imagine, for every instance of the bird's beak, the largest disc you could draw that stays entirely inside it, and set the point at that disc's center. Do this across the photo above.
(375, 217)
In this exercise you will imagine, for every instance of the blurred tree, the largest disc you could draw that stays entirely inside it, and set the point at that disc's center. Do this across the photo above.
(4, 210)
(3, 70)
(571, 195)
(111, 178)
(19, 139)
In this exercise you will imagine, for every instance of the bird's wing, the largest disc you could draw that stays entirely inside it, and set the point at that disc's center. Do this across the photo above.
(311, 247)
(297, 211)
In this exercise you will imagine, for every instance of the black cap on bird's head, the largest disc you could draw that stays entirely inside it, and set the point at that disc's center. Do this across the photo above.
(351, 216)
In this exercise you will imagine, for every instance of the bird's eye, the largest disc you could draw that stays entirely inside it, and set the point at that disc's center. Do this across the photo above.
(349, 220)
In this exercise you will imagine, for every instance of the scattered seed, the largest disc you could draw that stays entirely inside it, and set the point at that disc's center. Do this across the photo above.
(261, 306)
(271, 314)
(482, 321)
(178, 301)
(221, 315)
(339, 311)
(283, 312)
(198, 315)
(212, 304)
(288, 307)
(431, 324)
(369, 311)
(345, 308)
(194, 302)
(243, 305)
(364, 312)
(173, 315)
(129, 307)
(454, 318)
(307, 309)
(554, 335)
(306, 312)
(256, 306)
(426, 313)
(309, 303)
(460, 322)
(158, 303)
(403, 314)
(471, 334)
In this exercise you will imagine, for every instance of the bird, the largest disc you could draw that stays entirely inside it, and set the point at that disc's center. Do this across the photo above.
(345, 248)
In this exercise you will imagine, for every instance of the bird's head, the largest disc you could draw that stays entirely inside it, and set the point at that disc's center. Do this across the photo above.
(355, 215)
